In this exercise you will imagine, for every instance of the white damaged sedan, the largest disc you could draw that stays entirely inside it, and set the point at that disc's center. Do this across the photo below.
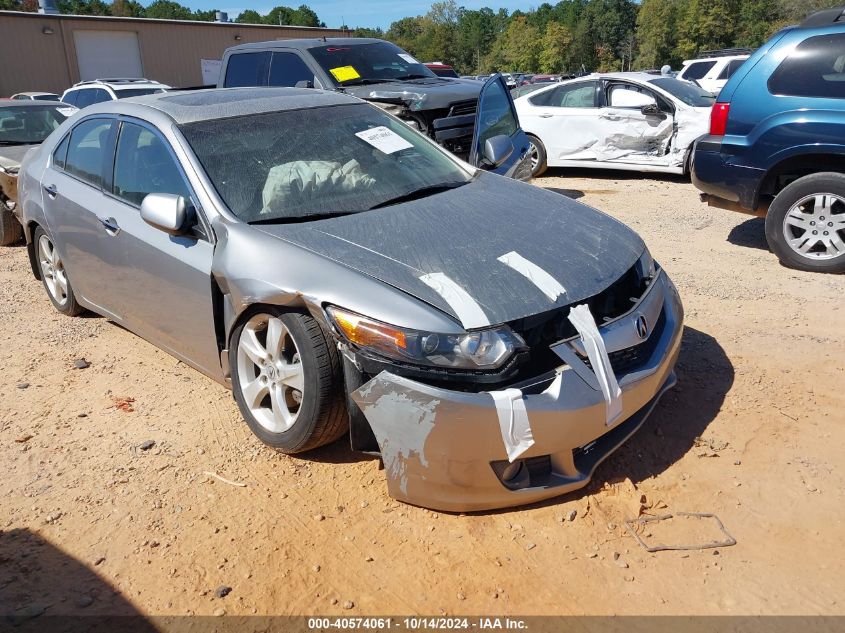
(630, 121)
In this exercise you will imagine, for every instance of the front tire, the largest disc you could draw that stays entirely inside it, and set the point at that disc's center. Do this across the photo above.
(287, 380)
(805, 224)
(11, 230)
(537, 151)
(54, 276)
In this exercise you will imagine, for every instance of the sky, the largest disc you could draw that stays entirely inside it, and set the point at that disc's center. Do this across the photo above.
(373, 13)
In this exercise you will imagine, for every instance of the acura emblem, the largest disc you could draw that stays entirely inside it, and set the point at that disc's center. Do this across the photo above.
(642, 327)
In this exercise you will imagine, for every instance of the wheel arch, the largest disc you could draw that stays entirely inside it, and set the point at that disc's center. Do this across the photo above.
(794, 167)
(29, 233)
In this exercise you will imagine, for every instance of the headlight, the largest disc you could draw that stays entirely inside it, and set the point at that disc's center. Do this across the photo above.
(484, 349)
(645, 266)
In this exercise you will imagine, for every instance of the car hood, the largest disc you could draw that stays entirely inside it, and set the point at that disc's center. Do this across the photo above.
(12, 155)
(463, 232)
(420, 94)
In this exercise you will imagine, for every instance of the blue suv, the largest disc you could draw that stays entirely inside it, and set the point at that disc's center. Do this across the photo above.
(777, 143)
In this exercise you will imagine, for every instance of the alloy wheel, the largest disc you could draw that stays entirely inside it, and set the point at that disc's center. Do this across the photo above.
(52, 270)
(270, 373)
(815, 226)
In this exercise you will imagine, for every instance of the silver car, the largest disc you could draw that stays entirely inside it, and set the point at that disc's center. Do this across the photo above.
(344, 275)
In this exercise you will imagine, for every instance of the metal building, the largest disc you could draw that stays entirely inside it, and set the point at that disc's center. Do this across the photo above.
(51, 52)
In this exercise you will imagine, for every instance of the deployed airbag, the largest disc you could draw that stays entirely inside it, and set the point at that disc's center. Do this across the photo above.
(289, 185)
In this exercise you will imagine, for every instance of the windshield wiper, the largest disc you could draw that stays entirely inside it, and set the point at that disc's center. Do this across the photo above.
(308, 217)
(419, 193)
(406, 77)
(364, 81)
(4, 143)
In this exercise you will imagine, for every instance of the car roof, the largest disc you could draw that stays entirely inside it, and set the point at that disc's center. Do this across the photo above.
(304, 44)
(191, 106)
(118, 84)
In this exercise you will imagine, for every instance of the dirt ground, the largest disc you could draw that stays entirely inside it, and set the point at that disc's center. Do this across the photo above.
(91, 523)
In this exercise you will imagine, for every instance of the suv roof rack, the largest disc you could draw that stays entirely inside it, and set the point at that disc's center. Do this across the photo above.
(116, 80)
(725, 52)
(824, 18)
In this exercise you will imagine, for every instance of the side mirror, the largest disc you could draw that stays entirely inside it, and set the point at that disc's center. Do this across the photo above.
(497, 150)
(629, 99)
(652, 109)
(165, 211)
(304, 83)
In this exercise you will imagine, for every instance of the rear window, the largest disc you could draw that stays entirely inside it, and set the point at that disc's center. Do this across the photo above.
(689, 93)
(730, 68)
(247, 69)
(125, 93)
(697, 70)
(816, 68)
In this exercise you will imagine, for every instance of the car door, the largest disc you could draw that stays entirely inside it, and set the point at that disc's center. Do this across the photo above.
(496, 116)
(73, 200)
(288, 68)
(566, 119)
(636, 125)
(162, 282)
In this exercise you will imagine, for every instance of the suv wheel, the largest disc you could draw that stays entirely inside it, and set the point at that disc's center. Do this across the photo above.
(805, 225)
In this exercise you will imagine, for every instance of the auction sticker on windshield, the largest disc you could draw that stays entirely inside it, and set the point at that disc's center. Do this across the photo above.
(408, 58)
(67, 111)
(384, 139)
(345, 73)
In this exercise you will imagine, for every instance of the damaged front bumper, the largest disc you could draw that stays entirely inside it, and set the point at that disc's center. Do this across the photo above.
(446, 450)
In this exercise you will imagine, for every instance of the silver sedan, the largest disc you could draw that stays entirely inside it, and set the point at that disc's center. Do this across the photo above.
(344, 275)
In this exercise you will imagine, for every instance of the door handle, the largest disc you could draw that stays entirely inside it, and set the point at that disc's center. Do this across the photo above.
(110, 224)
(51, 191)
(546, 116)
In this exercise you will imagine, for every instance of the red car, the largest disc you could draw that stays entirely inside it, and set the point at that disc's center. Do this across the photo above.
(442, 70)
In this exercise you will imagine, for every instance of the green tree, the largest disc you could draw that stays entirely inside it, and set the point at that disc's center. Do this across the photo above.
(556, 41)
(127, 9)
(519, 46)
(708, 24)
(305, 16)
(279, 16)
(476, 32)
(84, 7)
(250, 16)
(657, 33)
(168, 10)
(368, 32)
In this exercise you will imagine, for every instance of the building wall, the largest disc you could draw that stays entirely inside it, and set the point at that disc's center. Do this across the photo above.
(32, 58)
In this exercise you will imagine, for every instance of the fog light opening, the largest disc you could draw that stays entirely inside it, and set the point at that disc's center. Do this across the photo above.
(512, 471)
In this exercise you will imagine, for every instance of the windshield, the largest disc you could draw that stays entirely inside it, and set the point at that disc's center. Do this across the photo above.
(50, 97)
(685, 91)
(125, 93)
(368, 63)
(320, 162)
(30, 125)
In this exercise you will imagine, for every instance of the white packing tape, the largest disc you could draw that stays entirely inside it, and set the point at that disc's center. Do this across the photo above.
(547, 284)
(513, 421)
(468, 311)
(582, 319)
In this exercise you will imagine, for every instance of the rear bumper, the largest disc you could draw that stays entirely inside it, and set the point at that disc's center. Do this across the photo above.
(444, 449)
(712, 173)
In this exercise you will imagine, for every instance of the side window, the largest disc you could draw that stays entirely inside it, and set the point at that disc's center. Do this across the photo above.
(580, 95)
(730, 68)
(60, 155)
(85, 153)
(287, 69)
(143, 164)
(629, 96)
(84, 97)
(697, 70)
(247, 69)
(71, 97)
(816, 68)
(101, 95)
